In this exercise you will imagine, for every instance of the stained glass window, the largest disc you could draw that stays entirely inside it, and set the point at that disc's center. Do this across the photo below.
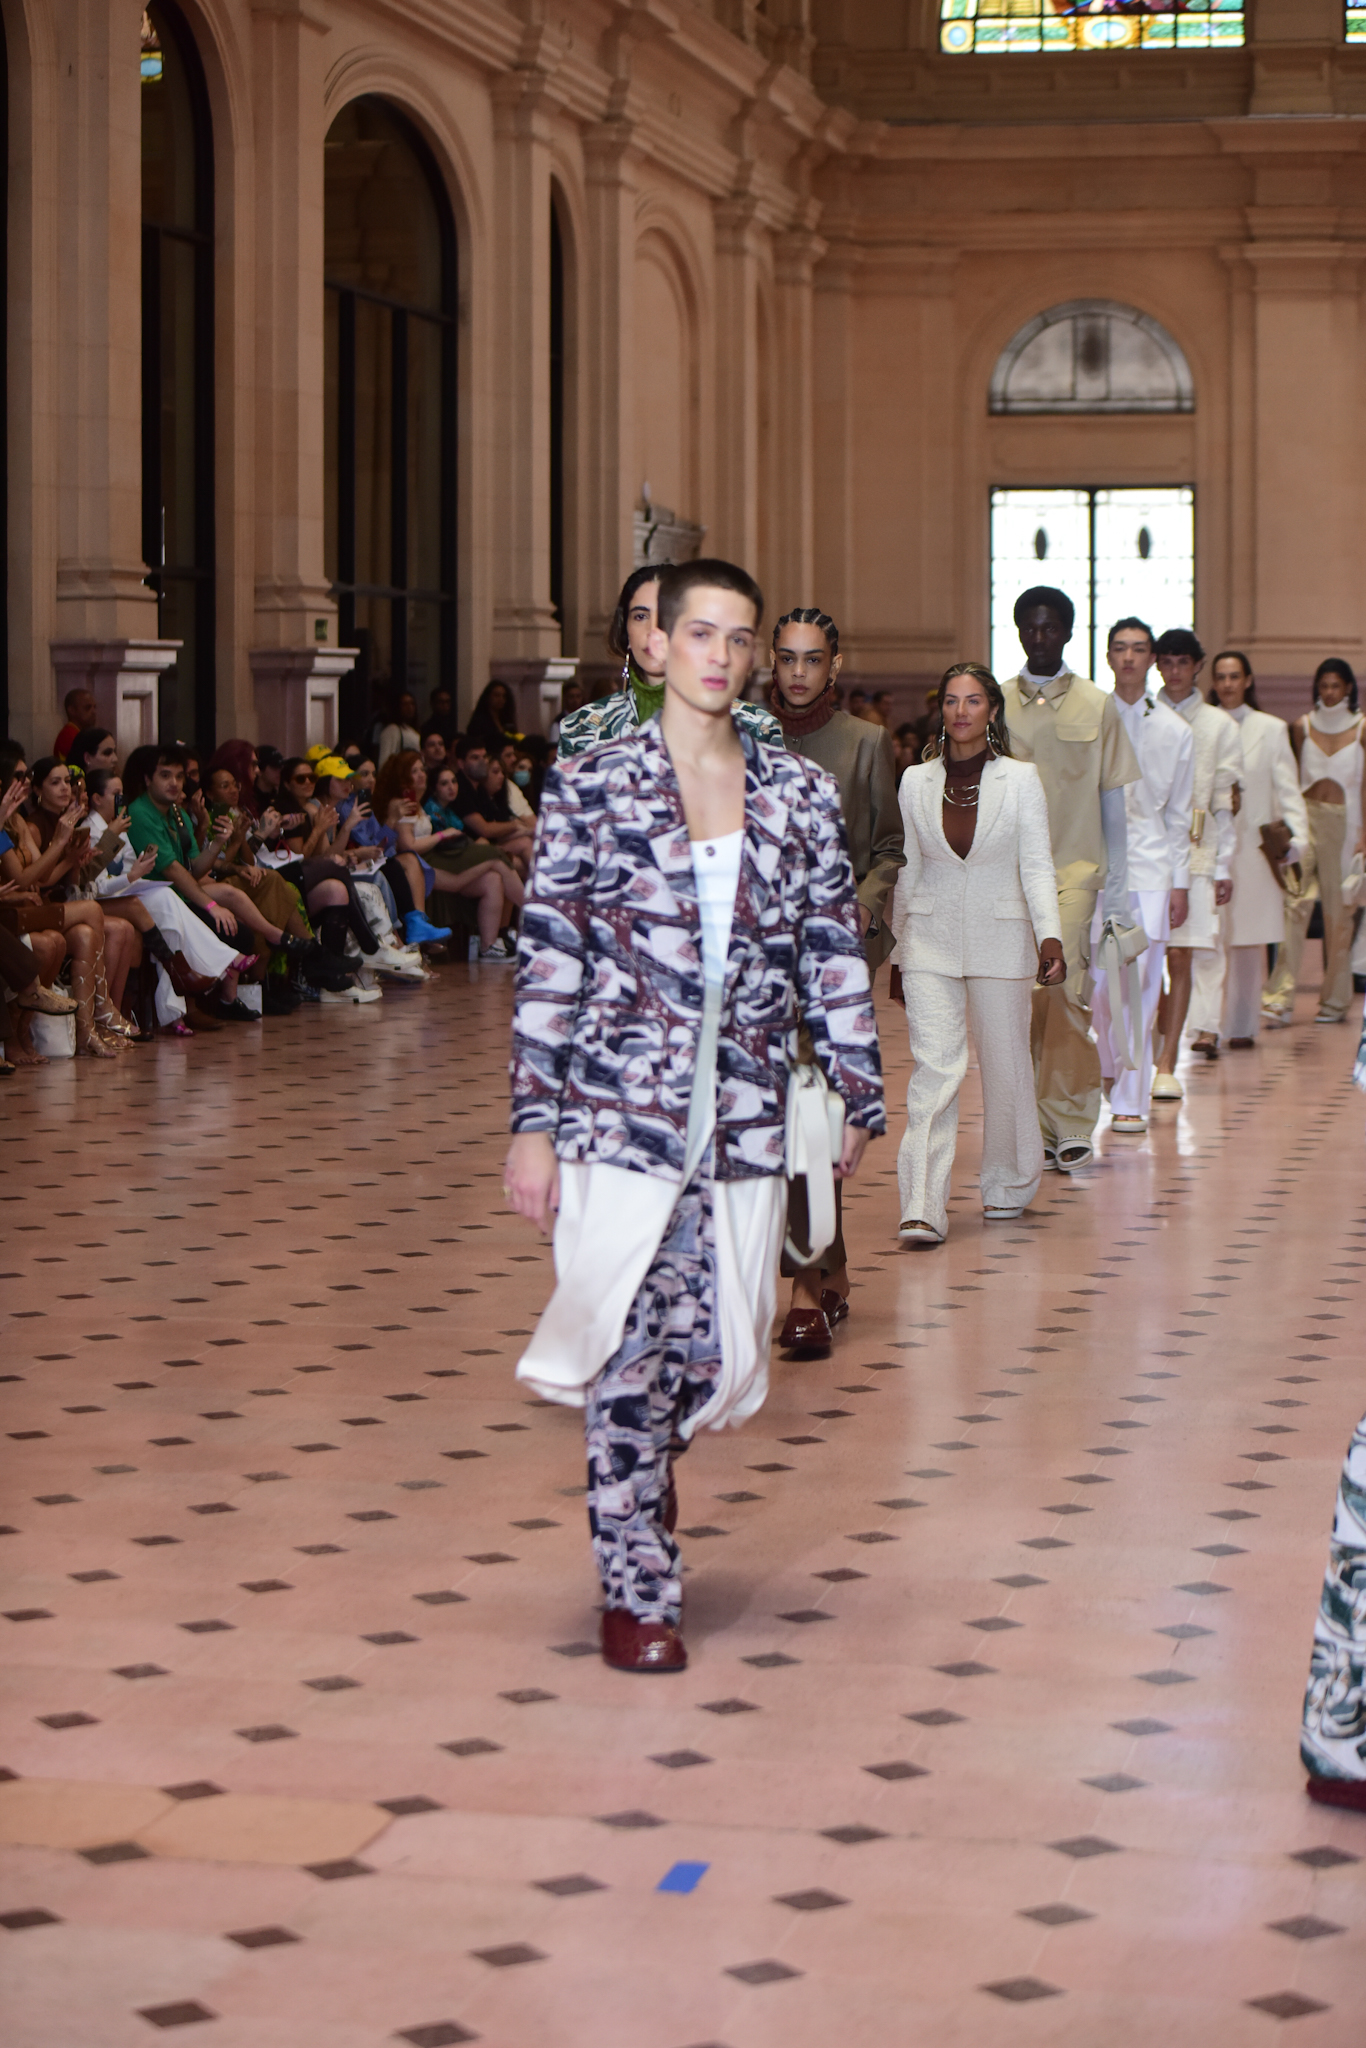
(993, 27)
(1356, 22)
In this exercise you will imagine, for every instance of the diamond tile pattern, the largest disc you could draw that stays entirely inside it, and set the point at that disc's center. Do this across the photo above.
(258, 1567)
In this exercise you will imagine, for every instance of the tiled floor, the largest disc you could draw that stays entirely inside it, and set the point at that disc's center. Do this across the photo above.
(999, 1620)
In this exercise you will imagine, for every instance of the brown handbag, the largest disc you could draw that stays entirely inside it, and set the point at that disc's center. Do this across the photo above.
(1277, 838)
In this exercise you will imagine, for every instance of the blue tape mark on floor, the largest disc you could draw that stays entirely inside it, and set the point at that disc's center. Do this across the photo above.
(684, 1877)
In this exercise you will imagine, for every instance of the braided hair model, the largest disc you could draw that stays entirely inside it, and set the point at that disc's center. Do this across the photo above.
(810, 615)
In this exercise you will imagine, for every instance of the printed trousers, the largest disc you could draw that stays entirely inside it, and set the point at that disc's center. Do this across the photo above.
(1333, 1737)
(664, 1370)
(937, 1010)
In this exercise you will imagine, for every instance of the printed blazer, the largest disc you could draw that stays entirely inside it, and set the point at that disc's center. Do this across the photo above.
(616, 718)
(989, 913)
(609, 995)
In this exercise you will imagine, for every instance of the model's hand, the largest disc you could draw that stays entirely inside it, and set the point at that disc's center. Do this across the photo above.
(1052, 965)
(1178, 908)
(1223, 893)
(855, 1145)
(1236, 798)
(531, 1179)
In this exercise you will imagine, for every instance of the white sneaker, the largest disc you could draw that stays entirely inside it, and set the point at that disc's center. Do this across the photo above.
(354, 994)
(495, 955)
(407, 966)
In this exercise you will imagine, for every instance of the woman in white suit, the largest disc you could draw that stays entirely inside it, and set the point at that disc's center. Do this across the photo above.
(1273, 824)
(975, 917)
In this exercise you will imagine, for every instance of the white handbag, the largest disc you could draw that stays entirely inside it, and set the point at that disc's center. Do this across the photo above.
(1120, 946)
(814, 1141)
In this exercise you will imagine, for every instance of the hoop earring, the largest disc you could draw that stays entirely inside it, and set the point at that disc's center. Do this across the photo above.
(991, 744)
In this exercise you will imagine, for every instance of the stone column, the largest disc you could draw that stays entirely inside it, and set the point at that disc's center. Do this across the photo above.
(793, 514)
(833, 430)
(1294, 45)
(105, 614)
(734, 529)
(295, 617)
(524, 625)
(606, 314)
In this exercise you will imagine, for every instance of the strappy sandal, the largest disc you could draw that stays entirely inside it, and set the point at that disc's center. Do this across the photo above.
(1206, 1044)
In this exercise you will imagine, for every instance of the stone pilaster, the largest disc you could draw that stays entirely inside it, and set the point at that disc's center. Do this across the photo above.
(734, 530)
(608, 349)
(297, 690)
(123, 676)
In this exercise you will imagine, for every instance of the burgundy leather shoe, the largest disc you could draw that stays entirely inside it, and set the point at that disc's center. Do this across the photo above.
(836, 1306)
(806, 1331)
(629, 1644)
(1349, 1792)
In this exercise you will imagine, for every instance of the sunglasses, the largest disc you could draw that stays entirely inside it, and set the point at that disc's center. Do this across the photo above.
(302, 775)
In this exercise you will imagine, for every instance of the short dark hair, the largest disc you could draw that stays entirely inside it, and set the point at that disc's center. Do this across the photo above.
(1179, 640)
(1130, 626)
(97, 781)
(1044, 594)
(710, 573)
(269, 757)
(81, 690)
(86, 743)
(1336, 666)
(1234, 654)
(468, 743)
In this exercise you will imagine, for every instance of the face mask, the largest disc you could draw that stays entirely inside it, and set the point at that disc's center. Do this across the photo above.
(522, 777)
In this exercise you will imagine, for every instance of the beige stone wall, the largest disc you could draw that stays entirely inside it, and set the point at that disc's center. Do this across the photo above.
(796, 239)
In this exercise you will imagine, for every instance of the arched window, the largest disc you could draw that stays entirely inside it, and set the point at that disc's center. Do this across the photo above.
(1055, 27)
(177, 366)
(1356, 22)
(390, 277)
(1092, 355)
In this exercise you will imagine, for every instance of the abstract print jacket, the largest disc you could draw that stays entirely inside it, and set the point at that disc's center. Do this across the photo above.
(609, 997)
(616, 718)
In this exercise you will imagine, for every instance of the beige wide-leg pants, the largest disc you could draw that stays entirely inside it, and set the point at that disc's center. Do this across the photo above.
(1066, 1060)
(938, 1007)
(1327, 832)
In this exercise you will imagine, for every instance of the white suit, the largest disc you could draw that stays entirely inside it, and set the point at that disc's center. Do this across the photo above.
(967, 935)
(1256, 918)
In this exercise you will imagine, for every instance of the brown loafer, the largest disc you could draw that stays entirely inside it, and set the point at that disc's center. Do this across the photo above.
(835, 1305)
(629, 1644)
(1240, 1045)
(807, 1331)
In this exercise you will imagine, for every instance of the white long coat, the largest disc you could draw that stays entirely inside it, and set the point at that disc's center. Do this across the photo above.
(986, 915)
(1271, 790)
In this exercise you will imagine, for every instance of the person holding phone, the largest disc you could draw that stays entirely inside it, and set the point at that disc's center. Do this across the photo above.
(977, 929)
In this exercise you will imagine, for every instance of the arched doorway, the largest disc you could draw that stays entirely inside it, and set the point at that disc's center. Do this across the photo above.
(1116, 545)
(177, 366)
(390, 291)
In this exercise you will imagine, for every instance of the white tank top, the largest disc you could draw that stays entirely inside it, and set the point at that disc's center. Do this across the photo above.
(1344, 767)
(716, 866)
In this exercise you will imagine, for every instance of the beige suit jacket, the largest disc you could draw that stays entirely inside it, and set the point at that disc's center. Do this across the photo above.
(989, 914)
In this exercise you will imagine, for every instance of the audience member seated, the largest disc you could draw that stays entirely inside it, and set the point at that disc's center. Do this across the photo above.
(27, 971)
(433, 749)
(79, 706)
(400, 734)
(158, 819)
(447, 860)
(92, 748)
(494, 719)
(189, 957)
(573, 696)
(516, 767)
(441, 717)
(46, 849)
(403, 872)
(484, 808)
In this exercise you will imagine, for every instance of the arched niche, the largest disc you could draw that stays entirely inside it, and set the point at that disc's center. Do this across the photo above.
(391, 307)
(1092, 356)
(666, 396)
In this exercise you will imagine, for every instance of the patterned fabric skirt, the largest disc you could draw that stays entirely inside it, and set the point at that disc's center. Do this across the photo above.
(664, 1370)
(1333, 1738)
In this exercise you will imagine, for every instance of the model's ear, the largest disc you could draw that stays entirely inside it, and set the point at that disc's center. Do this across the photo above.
(657, 646)
(836, 665)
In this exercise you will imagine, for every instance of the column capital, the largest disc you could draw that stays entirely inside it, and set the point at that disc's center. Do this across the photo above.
(122, 675)
(796, 255)
(296, 693)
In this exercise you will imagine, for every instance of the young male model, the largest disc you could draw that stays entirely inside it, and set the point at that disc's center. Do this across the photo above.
(1075, 737)
(691, 890)
(1158, 830)
(1218, 767)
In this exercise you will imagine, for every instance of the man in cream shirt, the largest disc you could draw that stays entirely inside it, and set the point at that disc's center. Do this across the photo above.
(1158, 828)
(1075, 737)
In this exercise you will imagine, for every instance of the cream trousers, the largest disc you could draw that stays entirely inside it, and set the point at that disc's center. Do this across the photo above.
(938, 1007)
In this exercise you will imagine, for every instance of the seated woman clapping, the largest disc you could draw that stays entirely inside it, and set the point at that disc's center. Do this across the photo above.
(447, 857)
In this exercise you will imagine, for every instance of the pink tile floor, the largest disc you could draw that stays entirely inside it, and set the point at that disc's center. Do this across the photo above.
(999, 1619)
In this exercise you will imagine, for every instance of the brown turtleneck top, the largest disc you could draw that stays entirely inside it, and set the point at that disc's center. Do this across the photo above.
(962, 781)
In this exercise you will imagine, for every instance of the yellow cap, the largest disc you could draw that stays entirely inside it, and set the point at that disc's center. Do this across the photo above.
(332, 764)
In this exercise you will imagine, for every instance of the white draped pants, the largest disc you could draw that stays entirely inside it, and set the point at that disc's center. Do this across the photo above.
(1131, 1088)
(938, 1009)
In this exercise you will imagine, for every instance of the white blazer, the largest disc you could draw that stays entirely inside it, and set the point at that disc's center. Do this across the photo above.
(988, 914)
(1271, 791)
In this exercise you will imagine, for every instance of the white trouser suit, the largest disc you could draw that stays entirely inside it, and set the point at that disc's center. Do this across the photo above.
(967, 936)
(1130, 1086)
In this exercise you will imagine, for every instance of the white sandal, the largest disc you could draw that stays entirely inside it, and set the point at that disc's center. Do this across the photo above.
(915, 1231)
